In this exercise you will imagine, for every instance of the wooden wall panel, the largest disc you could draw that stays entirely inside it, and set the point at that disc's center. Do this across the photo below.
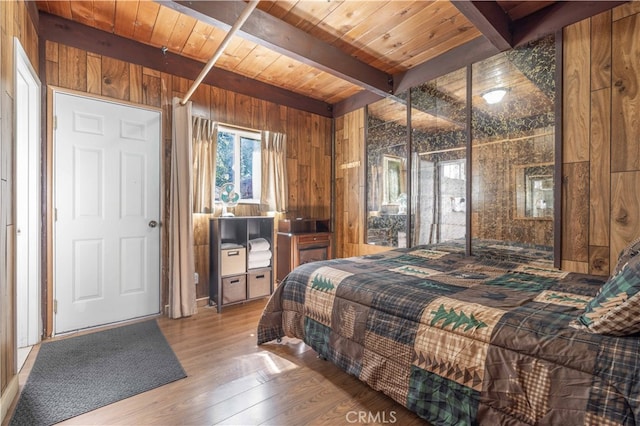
(629, 8)
(72, 68)
(601, 51)
(52, 71)
(354, 206)
(339, 141)
(599, 167)
(115, 79)
(94, 74)
(304, 191)
(575, 210)
(599, 260)
(151, 89)
(201, 102)
(201, 252)
(576, 85)
(292, 176)
(613, 140)
(625, 152)
(136, 87)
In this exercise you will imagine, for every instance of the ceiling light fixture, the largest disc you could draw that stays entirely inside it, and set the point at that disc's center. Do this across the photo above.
(494, 96)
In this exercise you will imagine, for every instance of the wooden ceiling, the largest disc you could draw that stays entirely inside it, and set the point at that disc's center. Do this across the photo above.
(326, 57)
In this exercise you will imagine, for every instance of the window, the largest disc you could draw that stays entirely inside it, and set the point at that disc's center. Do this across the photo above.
(239, 161)
(454, 170)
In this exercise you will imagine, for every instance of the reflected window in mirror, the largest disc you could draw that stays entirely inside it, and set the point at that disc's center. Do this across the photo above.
(386, 149)
(534, 191)
(393, 186)
(438, 159)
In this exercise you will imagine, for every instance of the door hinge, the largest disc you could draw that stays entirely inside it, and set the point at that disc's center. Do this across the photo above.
(55, 122)
(55, 306)
(55, 214)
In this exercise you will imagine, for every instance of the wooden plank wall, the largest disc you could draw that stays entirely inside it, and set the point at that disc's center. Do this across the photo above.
(15, 21)
(601, 139)
(308, 135)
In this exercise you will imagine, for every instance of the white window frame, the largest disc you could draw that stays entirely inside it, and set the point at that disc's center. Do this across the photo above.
(238, 134)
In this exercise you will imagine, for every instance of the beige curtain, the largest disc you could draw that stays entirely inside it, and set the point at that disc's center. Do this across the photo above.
(182, 290)
(275, 193)
(205, 145)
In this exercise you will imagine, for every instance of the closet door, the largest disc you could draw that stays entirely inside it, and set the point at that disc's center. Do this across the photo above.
(438, 159)
(513, 146)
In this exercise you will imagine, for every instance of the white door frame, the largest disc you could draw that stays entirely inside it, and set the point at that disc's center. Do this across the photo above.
(28, 213)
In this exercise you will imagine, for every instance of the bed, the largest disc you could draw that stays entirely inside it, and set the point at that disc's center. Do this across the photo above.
(500, 337)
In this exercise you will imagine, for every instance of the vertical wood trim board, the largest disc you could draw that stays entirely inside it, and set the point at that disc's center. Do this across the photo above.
(601, 51)
(625, 152)
(599, 170)
(576, 89)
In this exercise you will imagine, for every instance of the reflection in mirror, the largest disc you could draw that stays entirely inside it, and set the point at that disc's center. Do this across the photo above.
(393, 186)
(438, 159)
(386, 147)
(513, 146)
(510, 172)
(534, 191)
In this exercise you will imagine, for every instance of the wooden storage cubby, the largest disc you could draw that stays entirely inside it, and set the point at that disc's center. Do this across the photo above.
(232, 277)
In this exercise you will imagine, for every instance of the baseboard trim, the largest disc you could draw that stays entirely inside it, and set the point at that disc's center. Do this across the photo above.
(9, 394)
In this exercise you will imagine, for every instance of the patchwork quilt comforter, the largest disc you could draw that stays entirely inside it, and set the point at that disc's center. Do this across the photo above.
(463, 340)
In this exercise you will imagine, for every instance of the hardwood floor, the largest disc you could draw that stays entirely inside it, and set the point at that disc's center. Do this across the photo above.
(233, 381)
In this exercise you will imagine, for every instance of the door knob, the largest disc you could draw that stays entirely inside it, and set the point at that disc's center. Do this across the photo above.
(153, 224)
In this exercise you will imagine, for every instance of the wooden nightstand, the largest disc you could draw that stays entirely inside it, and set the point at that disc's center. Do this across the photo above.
(302, 241)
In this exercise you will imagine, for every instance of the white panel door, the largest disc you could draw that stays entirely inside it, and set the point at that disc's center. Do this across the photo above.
(27, 207)
(107, 201)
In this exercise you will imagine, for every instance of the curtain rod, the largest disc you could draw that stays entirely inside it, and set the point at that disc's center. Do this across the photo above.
(241, 20)
(223, 124)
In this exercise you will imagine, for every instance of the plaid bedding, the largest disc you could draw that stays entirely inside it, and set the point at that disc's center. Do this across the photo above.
(463, 340)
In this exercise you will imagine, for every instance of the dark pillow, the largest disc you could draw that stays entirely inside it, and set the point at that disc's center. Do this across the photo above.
(616, 308)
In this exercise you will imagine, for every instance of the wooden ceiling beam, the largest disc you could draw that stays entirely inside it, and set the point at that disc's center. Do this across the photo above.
(70, 33)
(490, 19)
(279, 36)
(555, 17)
(354, 102)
